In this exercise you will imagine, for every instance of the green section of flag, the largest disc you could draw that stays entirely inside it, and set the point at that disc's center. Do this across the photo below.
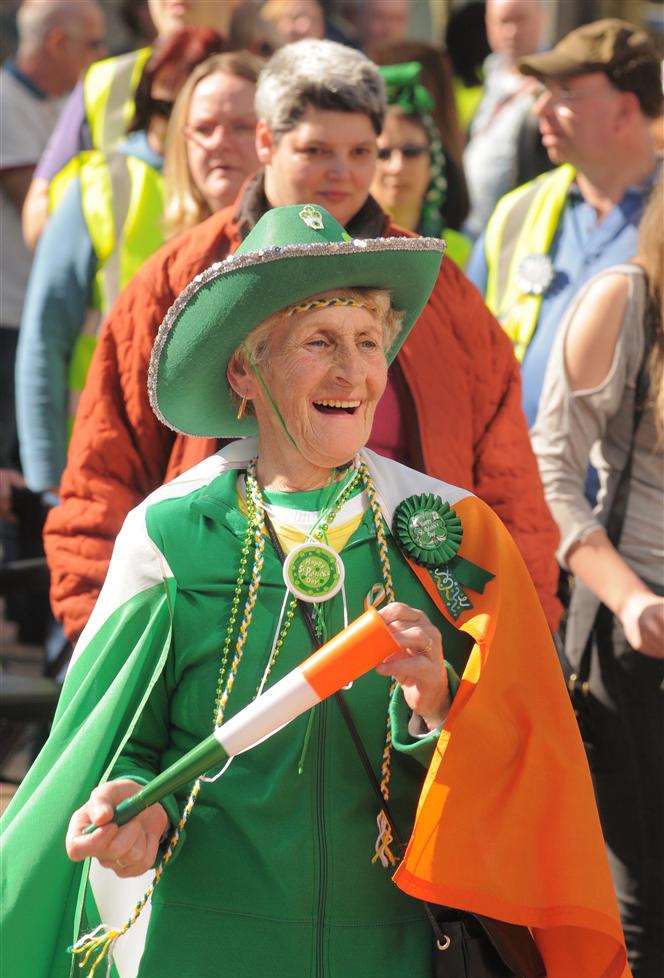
(103, 694)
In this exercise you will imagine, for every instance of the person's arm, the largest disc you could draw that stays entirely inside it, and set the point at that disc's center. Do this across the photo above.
(55, 308)
(583, 389)
(476, 269)
(596, 562)
(118, 451)
(132, 849)
(414, 734)
(15, 182)
(70, 136)
(34, 212)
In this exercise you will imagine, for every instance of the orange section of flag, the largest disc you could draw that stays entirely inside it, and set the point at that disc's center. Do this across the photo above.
(351, 653)
(507, 824)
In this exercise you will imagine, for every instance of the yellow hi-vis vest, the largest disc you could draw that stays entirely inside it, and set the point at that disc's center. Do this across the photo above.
(122, 202)
(108, 95)
(523, 224)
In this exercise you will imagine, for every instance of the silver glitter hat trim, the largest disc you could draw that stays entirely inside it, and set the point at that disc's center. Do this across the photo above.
(234, 263)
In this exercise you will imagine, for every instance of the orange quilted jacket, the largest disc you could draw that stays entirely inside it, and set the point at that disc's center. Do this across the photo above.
(458, 364)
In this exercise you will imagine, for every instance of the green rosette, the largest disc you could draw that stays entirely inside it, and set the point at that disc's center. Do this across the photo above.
(430, 532)
(428, 529)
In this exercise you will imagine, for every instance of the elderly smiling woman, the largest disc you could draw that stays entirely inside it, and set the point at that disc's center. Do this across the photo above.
(281, 866)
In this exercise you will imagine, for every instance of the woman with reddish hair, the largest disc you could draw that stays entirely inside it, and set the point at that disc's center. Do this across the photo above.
(172, 61)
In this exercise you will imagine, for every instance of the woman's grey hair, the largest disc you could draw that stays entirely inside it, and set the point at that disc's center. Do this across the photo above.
(323, 74)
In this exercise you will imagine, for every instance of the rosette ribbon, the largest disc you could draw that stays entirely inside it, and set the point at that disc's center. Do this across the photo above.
(430, 532)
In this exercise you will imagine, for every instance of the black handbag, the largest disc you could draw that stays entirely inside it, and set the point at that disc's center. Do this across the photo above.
(465, 945)
(481, 947)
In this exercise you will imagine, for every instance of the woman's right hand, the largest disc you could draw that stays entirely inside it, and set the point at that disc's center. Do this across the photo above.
(129, 850)
(642, 619)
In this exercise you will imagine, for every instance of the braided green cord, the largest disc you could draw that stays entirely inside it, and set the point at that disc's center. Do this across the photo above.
(385, 833)
(324, 303)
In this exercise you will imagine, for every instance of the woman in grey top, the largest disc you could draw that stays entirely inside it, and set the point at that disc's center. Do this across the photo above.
(615, 632)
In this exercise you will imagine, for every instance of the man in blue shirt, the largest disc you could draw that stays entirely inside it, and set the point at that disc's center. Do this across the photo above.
(601, 90)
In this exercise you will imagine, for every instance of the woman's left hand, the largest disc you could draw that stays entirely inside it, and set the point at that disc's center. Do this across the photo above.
(420, 670)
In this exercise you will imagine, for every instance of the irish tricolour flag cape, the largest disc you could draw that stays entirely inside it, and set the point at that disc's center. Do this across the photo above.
(506, 824)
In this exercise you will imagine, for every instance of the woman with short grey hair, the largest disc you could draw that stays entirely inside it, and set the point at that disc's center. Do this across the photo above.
(321, 74)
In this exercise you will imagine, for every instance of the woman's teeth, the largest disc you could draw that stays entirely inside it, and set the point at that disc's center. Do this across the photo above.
(349, 406)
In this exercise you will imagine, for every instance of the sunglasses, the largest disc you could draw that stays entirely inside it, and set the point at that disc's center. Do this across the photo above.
(409, 151)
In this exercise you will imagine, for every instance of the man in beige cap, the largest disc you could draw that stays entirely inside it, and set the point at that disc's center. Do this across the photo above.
(601, 88)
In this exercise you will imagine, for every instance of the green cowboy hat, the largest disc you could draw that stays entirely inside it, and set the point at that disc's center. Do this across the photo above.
(291, 254)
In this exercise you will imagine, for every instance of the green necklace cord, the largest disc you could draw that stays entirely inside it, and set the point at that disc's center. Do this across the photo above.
(275, 407)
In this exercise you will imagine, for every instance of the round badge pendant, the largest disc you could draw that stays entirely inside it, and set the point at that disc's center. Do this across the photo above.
(535, 274)
(314, 572)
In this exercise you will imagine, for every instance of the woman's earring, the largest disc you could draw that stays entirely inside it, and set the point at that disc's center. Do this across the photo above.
(242, 408)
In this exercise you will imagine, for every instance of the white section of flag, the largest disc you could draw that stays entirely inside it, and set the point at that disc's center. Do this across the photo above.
(115, 899)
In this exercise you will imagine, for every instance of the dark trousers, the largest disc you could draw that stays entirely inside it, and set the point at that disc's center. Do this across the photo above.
(622, 724)
(8, 437)
(21, 536)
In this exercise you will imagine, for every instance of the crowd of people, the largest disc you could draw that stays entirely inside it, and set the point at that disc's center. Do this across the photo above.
(236, 230)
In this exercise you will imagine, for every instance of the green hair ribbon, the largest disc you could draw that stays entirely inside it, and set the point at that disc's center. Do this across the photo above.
(405, 90)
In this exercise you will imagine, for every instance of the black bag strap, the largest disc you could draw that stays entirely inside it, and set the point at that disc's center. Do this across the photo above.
(514, 944)
(347, 715)
(615, 521)
(616, 518)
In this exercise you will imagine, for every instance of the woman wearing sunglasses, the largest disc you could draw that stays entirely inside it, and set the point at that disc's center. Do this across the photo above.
(410, 181)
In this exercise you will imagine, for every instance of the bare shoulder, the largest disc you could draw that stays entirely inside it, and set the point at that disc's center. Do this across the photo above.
(593, 330)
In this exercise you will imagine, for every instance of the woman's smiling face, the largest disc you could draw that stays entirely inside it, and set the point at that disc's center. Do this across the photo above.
(328, 158)
(326, 370)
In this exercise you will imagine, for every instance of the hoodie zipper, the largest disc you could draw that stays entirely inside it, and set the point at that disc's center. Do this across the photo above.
(322, 843)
